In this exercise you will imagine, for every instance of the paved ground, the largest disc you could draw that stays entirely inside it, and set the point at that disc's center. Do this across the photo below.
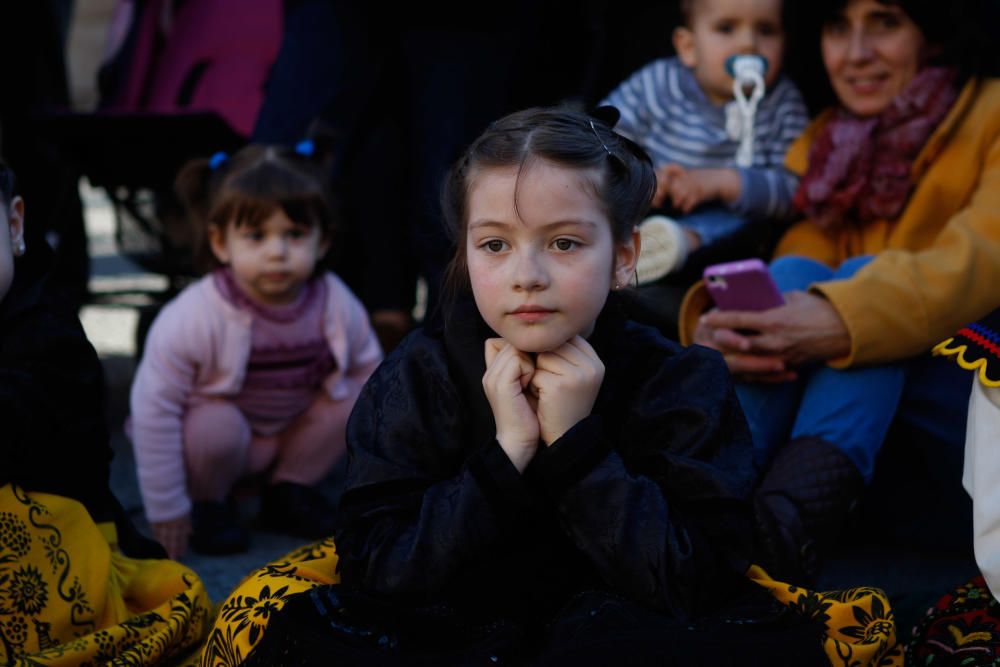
(111, 328)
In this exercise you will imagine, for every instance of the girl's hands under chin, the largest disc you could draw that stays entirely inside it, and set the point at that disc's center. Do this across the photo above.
(508, 373)
(566, 382)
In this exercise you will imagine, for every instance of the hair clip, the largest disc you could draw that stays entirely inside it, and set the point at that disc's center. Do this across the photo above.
(306, 147)
(217, 160)
(594, 128)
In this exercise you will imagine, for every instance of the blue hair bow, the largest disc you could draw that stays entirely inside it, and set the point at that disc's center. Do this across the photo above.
(217, 160)
(306, 148)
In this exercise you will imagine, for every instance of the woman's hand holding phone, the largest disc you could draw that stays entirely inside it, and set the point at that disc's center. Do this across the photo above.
(806, 329)
(763, 334)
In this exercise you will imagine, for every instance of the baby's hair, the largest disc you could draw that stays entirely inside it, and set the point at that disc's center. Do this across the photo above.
(562, 136)
(249, 186)
(8, 184)
(686, 11)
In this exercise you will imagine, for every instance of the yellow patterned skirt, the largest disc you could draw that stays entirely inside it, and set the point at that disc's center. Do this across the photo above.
(860, 629)
(69, 597)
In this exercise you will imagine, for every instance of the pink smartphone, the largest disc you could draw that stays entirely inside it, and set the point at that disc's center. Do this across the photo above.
(742, 285)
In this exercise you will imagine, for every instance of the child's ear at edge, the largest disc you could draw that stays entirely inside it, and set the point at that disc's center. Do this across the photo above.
(15, 218)
(683, 40)
(217, 242)
(626, 258)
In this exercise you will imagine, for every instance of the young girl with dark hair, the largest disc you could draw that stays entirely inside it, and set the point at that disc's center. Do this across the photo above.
(253, 370)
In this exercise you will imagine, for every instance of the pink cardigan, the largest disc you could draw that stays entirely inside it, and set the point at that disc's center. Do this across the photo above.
(198, 347)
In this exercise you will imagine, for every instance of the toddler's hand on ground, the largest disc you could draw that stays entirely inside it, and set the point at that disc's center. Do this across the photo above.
(566, 381)
(173, 535)
(508, 374)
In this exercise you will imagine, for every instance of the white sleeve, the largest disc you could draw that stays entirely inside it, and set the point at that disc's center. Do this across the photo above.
(981, 478)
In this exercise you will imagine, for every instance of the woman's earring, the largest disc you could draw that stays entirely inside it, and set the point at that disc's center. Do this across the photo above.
(618, 285)
(19, 250)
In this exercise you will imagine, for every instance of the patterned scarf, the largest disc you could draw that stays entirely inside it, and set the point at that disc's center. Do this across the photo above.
(859, 168)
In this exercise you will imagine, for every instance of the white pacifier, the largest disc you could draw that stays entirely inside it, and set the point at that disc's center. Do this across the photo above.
(748, 75)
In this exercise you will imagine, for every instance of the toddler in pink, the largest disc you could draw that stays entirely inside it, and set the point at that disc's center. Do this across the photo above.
(253, 370)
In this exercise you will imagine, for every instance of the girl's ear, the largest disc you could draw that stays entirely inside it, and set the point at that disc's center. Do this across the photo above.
(684, 46)
(626, 258)
(324, 245)
(15, 218)
(217, 242)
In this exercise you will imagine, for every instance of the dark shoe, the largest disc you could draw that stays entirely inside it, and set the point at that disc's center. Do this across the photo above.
(216, 529)
(296, 509)
(801, 505)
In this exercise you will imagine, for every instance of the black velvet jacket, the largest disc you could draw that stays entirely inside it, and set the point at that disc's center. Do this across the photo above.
(648, 497)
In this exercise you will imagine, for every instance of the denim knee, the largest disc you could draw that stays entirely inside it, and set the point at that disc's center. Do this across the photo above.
(851, 266)
(794, 272)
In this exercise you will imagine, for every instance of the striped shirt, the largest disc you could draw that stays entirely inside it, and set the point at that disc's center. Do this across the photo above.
(665, 111)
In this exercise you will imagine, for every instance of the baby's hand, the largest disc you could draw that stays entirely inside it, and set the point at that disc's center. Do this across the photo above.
(689, 188)
(173, 535)
(508, 373)
(662, 185)
(566, 381)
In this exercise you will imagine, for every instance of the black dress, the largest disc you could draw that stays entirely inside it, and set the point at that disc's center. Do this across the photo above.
(636, 521)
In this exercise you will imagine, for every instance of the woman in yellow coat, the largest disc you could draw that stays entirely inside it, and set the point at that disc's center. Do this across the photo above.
(901, 245)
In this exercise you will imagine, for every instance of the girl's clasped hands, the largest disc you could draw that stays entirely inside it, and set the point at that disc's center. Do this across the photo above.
(539, 397)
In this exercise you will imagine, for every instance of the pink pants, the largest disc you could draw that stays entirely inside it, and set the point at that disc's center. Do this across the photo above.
(220, 447)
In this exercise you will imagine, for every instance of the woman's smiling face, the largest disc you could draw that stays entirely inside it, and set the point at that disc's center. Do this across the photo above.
(871, 52)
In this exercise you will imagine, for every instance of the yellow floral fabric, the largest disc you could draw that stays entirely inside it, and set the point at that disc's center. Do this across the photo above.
(244, 616)
(860, 629)
(69, 597)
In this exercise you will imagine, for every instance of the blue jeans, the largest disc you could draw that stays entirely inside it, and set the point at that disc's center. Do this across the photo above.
(853, 408)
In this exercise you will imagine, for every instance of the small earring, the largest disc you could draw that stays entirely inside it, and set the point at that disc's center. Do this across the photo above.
(19, 250)
(618, 285)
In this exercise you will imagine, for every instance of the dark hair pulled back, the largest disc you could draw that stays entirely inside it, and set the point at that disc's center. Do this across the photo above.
(562, 136)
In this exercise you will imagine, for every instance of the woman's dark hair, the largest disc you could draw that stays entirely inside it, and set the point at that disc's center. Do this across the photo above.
(562, 136)
(956, 27)
(8, 184)
(252, 184)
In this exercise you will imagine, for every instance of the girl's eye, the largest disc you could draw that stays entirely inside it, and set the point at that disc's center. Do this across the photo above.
(493, 245)
(725, 27)
(255, 236)
(564, 245)
(888, 22)
(296, 233)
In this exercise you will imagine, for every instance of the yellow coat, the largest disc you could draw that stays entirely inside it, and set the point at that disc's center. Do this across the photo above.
(937, 266)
